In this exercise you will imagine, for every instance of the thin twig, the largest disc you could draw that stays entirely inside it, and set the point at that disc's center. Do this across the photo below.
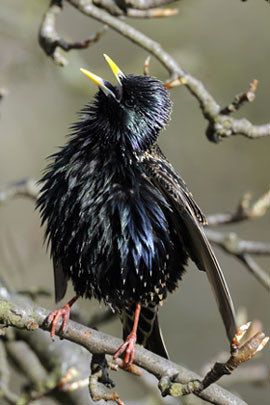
(240, 353)
(240, 99)
(256, 270)
(50, 41)
(241, 249)
(22, 188)
(147, 4)
(233, 245)
(99, 374)
(244, 211)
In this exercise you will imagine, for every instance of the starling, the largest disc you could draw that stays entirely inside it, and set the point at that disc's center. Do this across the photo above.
(120, 222)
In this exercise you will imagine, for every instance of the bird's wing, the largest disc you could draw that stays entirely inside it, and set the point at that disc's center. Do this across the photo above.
(188, 221)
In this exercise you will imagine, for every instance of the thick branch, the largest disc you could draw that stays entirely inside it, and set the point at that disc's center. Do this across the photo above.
(31, 317)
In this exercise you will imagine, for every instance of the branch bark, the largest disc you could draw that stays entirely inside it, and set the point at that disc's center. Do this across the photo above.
(32, 317)
(220, 124)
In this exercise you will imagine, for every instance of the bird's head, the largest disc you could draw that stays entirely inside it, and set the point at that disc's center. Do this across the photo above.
(133, 112)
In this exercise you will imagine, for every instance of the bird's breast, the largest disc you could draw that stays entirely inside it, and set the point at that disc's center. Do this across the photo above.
(111, 230)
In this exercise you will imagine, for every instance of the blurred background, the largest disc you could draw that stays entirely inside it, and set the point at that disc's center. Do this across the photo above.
(225, 45)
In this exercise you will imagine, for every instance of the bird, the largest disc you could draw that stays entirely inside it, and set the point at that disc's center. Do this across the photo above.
(120, 222)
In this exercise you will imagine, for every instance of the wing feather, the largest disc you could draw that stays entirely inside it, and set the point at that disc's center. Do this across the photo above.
(188, 220)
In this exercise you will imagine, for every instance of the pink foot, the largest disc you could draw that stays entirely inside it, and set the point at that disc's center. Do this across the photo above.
(63, 312)
(129, 347)
(54, 316)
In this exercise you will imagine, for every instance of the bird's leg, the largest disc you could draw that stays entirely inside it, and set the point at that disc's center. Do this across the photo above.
(63, 312)
(129, 345)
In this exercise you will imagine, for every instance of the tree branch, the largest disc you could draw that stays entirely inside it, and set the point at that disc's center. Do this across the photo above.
(31, 317)
(244, 211)
(241, 249)
(50, 41)
(220, 123)
(5, 391)
(22, 188)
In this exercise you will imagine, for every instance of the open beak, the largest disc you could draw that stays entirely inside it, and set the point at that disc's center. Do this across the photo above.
(115, 69)
(103, 84)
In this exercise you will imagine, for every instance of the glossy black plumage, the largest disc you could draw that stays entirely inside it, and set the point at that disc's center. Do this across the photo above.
(120, 222)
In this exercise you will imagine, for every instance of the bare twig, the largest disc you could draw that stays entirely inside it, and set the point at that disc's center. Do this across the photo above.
(147, 4)
(256, 270)
(236, 246)
(33, 317)
(242, 249)
(240, 353)
(146, 67)
(152, 13)
(99, 374)
(22, 188)
(145, 9)
(240, 99)
(244, 211)
(50, 41)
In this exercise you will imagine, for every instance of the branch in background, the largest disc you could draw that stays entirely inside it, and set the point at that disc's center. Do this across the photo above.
(3, 93)
(255, 270)
(233, 245)
(31, 317)
(99, 374)
(146, 4)
(220, 123)
(134, 9)
(33, 370)
(242, 98)
(244, 211)
(5, 391)
(242, 249)
(22, 188)
(50, 41)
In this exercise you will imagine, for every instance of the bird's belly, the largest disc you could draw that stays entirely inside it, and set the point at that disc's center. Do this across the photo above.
(125, 249)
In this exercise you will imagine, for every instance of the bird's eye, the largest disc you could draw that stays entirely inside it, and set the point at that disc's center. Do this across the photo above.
(129, 102)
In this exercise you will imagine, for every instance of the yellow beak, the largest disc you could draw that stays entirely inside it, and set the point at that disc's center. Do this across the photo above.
(98, 80)
(115, 69)
(102, 83)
